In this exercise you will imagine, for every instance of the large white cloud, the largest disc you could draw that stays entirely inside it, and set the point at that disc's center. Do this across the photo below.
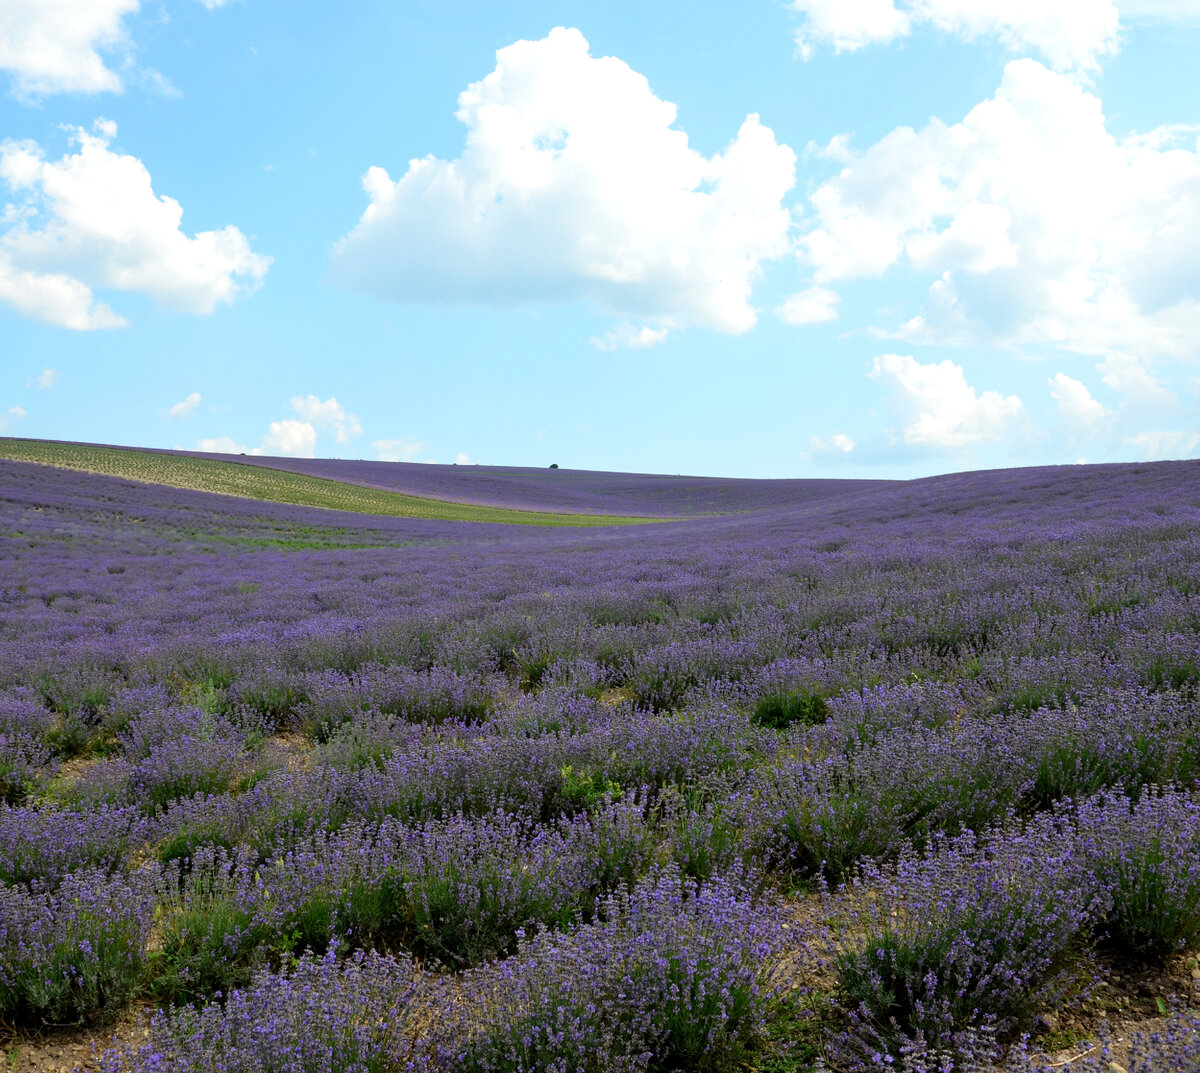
(329, 412)
(941, 410)
(290, 437)
(1071, 35)
(1035, 223)
(574, 184)
(1076, 404)
(93, 221)
(54, 46)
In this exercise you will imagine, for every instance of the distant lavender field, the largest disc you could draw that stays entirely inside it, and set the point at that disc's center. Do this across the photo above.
(582, 491)
(862, 773)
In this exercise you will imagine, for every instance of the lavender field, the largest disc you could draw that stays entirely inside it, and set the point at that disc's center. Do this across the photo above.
(856, 774)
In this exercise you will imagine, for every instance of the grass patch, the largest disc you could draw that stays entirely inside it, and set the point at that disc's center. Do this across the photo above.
(250, 481)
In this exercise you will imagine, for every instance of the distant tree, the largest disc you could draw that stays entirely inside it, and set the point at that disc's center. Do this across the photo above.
(554, 465)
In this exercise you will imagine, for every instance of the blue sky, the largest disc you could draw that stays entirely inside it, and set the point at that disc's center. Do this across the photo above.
(820, 238)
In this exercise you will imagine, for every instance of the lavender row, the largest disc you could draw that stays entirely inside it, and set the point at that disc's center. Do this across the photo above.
(668, 976)
(940, 961)
(958, 945)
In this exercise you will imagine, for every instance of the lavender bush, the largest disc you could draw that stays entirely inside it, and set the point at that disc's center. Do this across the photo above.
(77, 952)
(966, 936)
(1146, 855)
(325, 1015)
(672, 976)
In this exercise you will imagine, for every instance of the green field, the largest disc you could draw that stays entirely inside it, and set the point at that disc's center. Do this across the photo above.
(249, 481)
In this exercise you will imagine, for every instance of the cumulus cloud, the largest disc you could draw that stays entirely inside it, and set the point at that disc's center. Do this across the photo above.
(327, 413)
(53, 298)
(838, 443)
(848, 25)
(812, 306)
(55, 46)
(942, 411)
(226, 445)
(185, 408)
(297, 439)
(1071, 35)
(1126, 373)
(574, 184)
(44, 380)
(1076, 404)
(1154, 446)
(92, 220)
(397, 450)
(626, 336)
(1037, 225)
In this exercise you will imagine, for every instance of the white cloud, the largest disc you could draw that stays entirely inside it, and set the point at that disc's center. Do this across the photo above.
(1037, 224)
(1071, 35)
(1076, 404)
(329, 412)
(226, 445)
(185, 408)
(397, 450)
(574, 184)
(812, 306)
(10, 416)
(463, 459)
(92, 220)
(942, 410)
(627, 336)
(848, 25)
(212, 5)
(54, 46)
(1185, 11)
(838, 443)
(290, 437)
(54, 298)
(1126, 373)
(1158, 445)
(46, 379)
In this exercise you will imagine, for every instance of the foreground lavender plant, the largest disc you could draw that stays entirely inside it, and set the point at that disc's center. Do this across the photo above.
(324, 1016)
(672, 976)
(1146, 855)
(74, 953)
(964, 937)
(45, 845)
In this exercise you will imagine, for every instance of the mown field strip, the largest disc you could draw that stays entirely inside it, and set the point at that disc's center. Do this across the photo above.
(249, 481)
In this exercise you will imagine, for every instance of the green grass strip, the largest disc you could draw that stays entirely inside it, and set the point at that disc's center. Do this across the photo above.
(250, 481)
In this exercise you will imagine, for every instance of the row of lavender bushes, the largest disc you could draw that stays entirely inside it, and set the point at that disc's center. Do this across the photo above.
(948, 946)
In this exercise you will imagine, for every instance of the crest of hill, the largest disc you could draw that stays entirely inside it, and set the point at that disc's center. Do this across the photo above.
(569, 490)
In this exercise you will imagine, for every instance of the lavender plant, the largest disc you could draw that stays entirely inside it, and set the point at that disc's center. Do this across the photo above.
(671, 976)
(967, 936)
(1146, 855)
(76, 952)
(326, 1015)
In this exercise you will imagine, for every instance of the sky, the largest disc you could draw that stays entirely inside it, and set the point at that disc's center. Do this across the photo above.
(816, 238)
